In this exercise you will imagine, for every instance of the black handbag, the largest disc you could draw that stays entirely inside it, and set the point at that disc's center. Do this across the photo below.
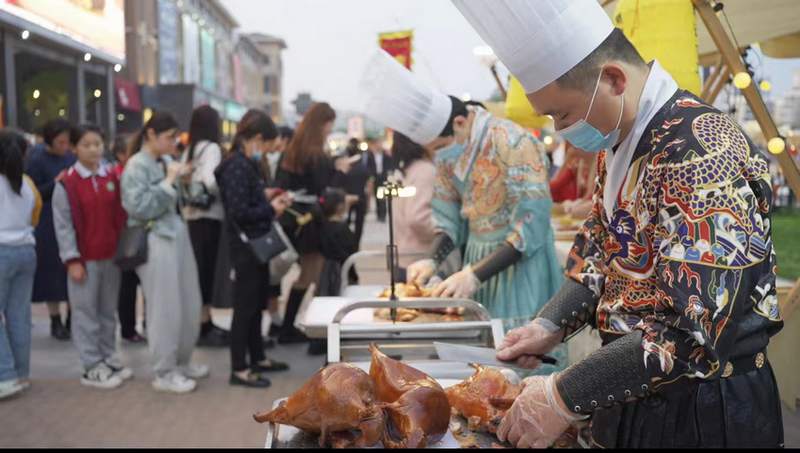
(265, 247)
(132, 247)
(197, 195)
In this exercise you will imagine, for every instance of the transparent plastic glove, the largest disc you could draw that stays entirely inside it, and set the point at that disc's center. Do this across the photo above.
(434, 282)
(461, 285)
(525, 343)
(538, 416)
(420, 272)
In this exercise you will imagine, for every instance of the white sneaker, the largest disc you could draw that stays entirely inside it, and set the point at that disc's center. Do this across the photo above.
(25, 384)
(9, 388)
(195, 371)
(123, 372)
(101, 377)
(174, 382)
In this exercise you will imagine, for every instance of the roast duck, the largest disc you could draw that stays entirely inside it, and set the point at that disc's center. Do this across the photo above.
(483, 399)
(411, 291)
(417, 410)
(339, 403)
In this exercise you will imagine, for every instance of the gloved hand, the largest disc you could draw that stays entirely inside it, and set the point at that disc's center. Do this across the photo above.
(525, 343)
(538, 416)
(420, 272)
(461, 285)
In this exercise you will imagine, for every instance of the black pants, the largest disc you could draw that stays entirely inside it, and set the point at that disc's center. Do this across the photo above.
(380, 205)
(205, 237)
(250, 291)
(741, 411)
(126, 305)
(357, 214)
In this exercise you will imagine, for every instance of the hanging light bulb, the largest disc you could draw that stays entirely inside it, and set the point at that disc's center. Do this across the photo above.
(548, 140)
(776, 145)
(742, 80)
(765, 85)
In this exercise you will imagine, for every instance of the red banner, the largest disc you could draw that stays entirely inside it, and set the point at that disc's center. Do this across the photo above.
(399, 45)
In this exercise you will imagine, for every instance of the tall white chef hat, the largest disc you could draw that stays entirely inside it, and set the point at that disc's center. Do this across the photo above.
(538, 40)
(392, 95)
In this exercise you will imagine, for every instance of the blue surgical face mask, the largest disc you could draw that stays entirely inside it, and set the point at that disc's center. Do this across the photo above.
(585, 136)
(453, 150)
(256, 156)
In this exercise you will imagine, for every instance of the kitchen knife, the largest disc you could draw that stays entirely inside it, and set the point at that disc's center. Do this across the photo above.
(478, 356)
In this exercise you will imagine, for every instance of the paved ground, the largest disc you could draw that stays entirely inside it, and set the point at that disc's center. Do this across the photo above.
(59, 412)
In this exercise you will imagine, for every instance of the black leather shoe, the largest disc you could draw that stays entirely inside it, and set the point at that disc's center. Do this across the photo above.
(213, 339)
(253, 381)
(274, 330)
(274, 365)
(292, 336)
(226, 334)
(57, 329)
(269, 343)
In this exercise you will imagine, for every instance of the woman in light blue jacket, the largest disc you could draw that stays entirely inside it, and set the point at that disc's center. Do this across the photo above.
(169, 278)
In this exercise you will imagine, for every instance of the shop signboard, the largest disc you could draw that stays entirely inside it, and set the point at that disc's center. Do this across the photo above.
(169, 65)
(208, 54)
(234, 112)
(191, 50)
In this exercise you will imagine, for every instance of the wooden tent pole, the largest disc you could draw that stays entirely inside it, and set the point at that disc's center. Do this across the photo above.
(712, 79)
(733, 61)
(499, 83)
(721, 82)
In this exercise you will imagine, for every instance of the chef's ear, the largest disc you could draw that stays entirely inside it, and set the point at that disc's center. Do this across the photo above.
(460, 121)
(616, 75)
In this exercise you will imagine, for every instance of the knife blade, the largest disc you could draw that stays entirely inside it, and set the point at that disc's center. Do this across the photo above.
(478, 356)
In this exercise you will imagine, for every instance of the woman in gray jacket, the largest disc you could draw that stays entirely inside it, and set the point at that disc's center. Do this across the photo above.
(169, 278)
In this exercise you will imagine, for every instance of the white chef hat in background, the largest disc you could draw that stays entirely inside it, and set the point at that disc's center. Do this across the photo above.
(538, 40)
(392, 95)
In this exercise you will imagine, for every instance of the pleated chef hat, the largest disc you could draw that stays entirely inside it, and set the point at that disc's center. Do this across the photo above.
(538, 40)
(392, 95)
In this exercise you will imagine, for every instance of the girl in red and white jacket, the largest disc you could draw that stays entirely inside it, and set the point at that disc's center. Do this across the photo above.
(88, 218)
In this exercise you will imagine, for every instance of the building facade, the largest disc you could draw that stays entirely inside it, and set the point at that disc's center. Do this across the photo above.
(188, 53)
(59, 60)
(271, 47)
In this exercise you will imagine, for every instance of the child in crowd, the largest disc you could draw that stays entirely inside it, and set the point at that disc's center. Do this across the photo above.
(336, 240)
(88, 218)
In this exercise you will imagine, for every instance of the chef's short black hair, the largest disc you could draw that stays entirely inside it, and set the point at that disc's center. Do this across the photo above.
(616, 47)
(459, 109)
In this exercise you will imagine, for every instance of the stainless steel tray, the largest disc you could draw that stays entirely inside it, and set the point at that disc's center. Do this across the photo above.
(285, 436)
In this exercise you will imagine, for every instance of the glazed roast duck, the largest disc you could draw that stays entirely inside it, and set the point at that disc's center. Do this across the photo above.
(417, 409)
(339, 403)
(483, 399)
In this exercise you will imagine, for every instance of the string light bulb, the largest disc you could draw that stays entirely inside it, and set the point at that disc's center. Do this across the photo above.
(742, 80)
(765, 85)
(548, 140)
(363, 146)
(776, 145)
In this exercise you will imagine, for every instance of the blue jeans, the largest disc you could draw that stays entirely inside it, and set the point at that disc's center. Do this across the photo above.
(17, 267)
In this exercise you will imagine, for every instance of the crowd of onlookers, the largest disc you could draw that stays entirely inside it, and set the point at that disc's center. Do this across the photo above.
(73, 206)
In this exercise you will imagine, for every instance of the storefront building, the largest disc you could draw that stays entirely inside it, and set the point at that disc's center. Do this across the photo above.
(59, 61)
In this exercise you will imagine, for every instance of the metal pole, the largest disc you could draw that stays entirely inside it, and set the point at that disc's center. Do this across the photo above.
(10, 74)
